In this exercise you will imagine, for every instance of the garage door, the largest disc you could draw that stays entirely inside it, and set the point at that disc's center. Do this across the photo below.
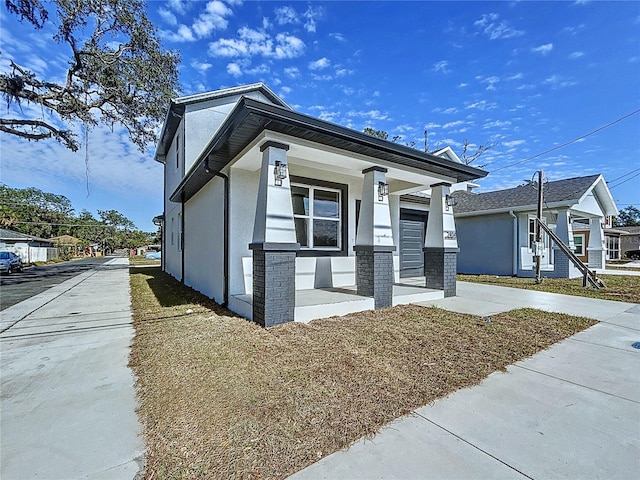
(412, 229)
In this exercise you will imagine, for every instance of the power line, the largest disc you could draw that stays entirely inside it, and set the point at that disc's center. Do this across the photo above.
(624, 181)
(569, 142)
(622, 176)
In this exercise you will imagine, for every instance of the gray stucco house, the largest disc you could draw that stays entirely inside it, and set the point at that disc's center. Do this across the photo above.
(496, 230)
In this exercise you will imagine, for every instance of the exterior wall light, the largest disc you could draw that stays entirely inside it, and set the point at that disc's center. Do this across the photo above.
(383, 190)
(279, 173)
(450, 201)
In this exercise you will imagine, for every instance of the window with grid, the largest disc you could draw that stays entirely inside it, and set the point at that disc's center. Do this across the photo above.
(317, 213)
(578, 242)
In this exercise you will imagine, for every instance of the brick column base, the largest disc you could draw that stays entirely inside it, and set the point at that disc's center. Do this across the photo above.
(374, 273)
(274, 283)
(440, 268)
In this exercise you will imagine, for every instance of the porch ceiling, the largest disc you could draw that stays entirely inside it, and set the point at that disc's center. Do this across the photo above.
(326, 158)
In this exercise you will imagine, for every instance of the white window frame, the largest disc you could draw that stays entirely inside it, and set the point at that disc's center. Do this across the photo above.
(531, 234)
(613, 247)
(311, 217)
(580, 252)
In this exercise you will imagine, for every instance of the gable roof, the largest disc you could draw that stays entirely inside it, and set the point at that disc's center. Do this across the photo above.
(559, 193)
(178, 105)
(6, 234)
(250, 117)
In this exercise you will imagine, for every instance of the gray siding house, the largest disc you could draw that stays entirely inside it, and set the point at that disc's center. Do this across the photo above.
(496, 230)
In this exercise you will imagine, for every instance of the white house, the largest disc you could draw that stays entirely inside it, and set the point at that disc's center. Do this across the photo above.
(496, 230)
(281, 216)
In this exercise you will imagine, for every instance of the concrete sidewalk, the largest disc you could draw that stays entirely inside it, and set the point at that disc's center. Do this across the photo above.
(68, 398)
(571, 411)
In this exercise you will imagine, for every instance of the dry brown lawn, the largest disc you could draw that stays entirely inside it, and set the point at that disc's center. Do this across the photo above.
(220, 397)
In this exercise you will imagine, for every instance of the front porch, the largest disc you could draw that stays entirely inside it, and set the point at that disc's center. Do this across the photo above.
(311, 304)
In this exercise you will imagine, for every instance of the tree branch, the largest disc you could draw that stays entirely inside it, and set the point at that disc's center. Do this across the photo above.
(9, 125)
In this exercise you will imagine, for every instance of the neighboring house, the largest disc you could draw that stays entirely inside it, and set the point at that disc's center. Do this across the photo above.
(68, 244)
(628, 239)
(496, 230)
(281, 216)
(27, 247)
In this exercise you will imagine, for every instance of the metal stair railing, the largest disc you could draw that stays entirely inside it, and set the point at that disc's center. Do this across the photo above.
(588, 276)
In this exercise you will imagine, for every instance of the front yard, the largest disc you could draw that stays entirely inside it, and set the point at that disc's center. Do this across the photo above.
(622, 288)
(220, 397)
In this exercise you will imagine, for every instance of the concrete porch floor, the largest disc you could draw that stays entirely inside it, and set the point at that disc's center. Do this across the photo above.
(327, 302)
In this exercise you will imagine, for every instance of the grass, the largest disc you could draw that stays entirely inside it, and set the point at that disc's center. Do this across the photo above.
(622, 288)
(141, 260)
(220, 397)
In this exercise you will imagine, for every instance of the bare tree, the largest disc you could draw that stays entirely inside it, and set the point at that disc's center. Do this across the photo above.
(468, 159)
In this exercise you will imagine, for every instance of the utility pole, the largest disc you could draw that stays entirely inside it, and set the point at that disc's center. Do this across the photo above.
(539, 229)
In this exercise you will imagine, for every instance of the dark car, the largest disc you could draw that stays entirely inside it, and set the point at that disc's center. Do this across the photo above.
(10, 262)
(632, 254)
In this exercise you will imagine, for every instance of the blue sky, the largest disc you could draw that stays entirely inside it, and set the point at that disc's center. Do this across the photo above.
(528, 76)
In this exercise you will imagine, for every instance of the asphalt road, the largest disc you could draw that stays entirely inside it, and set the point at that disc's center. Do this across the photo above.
(17, 287)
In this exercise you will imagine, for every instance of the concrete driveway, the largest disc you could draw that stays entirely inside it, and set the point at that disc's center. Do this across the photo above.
(571, 411)
(68, 399)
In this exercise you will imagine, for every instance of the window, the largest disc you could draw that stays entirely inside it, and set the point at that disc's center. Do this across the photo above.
(532, 234)
(578, 242)
(320, 216)
(178, 151)
(316, 212)
(613, 247)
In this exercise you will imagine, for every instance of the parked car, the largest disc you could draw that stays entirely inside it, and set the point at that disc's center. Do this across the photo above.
(10, 262)
(632, 254)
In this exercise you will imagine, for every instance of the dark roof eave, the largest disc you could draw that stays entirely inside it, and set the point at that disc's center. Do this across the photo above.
(274, 118)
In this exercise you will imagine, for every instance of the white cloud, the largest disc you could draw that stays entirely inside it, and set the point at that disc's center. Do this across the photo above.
(320, 64)
(234, 69)
(575, 55)
(543, 49)
(371, 114)
(462, 85)
(292, 72)
(180, 6)
(481, 105)
(497, 124)
(517, 76)
(431, 126)
(338, 36)
(457, 123)
(168, 16)
(513, 143)
(252, 42)
(311, 16)
(213, 18)
(286, 15)
(493, 28)
(557, 81)
(441, 67)
(201, 67)
(342, 72)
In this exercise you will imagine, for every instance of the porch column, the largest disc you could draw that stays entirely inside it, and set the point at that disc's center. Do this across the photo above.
(596, 250)
(374, 240)
(441, 242)
(274, 241)
(562, 266)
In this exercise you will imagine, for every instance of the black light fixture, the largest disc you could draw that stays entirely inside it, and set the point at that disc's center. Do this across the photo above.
(450, 201)
(383, 190)
(279, 173)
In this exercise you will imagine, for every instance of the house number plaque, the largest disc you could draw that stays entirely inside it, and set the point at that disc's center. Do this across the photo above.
(450, 235)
